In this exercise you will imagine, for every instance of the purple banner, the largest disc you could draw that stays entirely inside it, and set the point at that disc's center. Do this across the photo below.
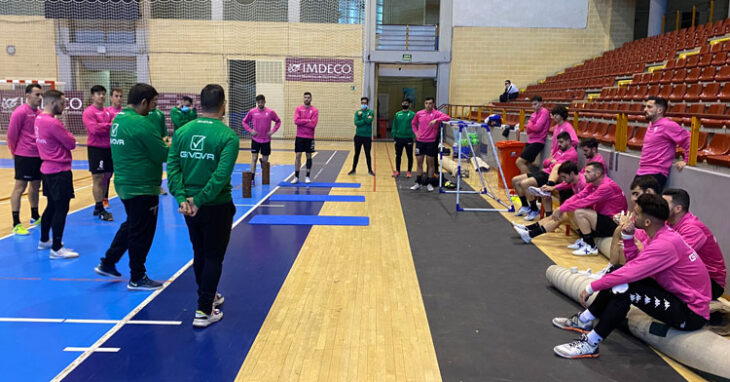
(319, 70)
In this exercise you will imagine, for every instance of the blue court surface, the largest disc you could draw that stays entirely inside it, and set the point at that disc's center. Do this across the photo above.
(317, 198)
(310, 220)
(57, 305)
(320, 185)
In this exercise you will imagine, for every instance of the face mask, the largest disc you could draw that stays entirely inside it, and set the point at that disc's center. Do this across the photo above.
(364, 106)
(405, 107)
(185, 109)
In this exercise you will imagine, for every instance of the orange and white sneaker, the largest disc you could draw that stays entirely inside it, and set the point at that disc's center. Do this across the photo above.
(396, 174)
(106, 203)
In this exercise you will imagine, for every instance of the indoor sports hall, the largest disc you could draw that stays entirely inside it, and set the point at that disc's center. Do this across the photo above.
(424, 190)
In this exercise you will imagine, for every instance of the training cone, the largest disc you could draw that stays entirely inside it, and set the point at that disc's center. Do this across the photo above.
(246, 178)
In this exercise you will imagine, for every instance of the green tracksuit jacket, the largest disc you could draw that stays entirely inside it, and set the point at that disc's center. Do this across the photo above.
(157, 117)
(179, 119)
(402, 124)
(364, 123)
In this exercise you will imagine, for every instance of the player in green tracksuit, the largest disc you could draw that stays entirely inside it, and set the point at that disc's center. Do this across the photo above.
(202, 156)
(403, 137)
(183, 113)
(138, 152)
(363, 134)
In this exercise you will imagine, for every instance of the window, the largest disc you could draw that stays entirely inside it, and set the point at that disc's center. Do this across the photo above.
(333, 11)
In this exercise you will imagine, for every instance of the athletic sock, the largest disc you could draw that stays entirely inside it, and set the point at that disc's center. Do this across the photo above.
(593, 338)
(523, 200)
(34, 213)
(533, 205)
(587, 316)
(16, 218)
(532, 226)
(589, 240)
(309, 166)
(296, 174)
(537, 231)
(548, 213)
(99, 206)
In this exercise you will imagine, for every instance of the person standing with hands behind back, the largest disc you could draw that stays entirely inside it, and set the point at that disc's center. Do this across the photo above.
(363, 134)
(403, 136)
(201, 184)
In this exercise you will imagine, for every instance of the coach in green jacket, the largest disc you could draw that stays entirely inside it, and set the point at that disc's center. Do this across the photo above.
(403, 136)
(199, 167)
(183, 113)
(138, 152)
(363, 134)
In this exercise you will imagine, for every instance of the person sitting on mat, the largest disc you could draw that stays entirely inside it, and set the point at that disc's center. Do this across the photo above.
(666, 280)
(540, 178)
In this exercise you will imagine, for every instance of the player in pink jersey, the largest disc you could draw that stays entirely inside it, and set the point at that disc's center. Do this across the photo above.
(116, 102)
(21, 142)
(258, 122)
(698, 236)
(98, 122)
(666, 280)
(305, 117)
(54, 147)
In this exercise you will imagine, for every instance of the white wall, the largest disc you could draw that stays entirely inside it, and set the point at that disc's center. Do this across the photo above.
(571, 14)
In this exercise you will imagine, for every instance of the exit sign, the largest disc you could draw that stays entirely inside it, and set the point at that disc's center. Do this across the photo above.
(407, 57)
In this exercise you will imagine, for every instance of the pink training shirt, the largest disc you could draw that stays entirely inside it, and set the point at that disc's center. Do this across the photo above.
(565, 127)
(113, 111)
(672, 263)
(660, 143)
(21, 134)
(559, 157)
(261, 120)
(606, 199)
(98, 123)
(306, 120)
(421, 124)
(54, 144)
(538, 127)
(700, 238)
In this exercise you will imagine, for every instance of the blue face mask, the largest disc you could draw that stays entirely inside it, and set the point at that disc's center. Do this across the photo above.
(185, 109)
(364, 106)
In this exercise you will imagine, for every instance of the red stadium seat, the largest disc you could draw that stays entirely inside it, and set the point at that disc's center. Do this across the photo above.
(725, 93)
(723, 74)
(693, 75)
(708, 74)
(709, 94)
(717, 109)
(719, 145)
(678, 92)
(693, 110)
(719, 58)
(637, 140)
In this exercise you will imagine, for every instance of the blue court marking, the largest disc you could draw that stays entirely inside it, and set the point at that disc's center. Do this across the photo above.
(78, 164)
(310, 220)
(257, 262)
(33, 286)
(317, 198)
(320, 185)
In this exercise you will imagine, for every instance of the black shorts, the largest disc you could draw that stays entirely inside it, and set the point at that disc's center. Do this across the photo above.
(541, 177)
(605, 226)
(303, 145)
(263, 148)
(58, 186)
(565, 195)
(659, 178)
(426, 148)
(717, 290)
(27, 168)
(100, 160)
(531, 151)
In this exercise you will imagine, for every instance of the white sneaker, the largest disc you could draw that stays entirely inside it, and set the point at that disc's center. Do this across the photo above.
(586, 250)
(295, 180)
(579, 348)
(524, 210)
(578, 243)
(63, 253)
(307, 180)
(520, 226)
(429, 188)
(416, 187)
(203, 320)
(45, 244)
(538, 192)
(532, 215)
(524, 234)
(219, 300)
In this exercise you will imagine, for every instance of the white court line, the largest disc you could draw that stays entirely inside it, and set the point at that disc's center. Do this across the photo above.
(97, 345)
(98, 350)
(86, 321)
(325, 164)
(263, 205)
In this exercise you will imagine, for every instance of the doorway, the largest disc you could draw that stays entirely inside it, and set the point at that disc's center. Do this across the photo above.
(392, 90)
